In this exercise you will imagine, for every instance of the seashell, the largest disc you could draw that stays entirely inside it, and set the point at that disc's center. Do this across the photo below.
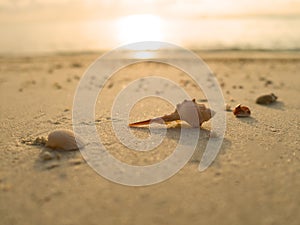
(241, 111)
(227, 108)
(64, 140)
(189, 111)
(266, 99)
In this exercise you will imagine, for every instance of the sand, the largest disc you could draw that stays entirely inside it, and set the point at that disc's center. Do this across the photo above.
(254, 180)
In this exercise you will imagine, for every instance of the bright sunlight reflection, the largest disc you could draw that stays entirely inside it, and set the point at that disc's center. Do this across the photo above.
(143, 27)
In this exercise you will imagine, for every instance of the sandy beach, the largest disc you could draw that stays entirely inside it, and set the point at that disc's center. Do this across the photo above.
(254, 180)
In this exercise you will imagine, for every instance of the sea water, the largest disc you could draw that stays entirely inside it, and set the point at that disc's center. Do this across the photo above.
(226, 33)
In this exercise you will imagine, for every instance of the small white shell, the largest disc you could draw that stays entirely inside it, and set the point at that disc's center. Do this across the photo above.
(64, 140)
(228, 108)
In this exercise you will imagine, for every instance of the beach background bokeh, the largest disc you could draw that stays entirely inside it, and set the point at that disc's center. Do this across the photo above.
(38, 26)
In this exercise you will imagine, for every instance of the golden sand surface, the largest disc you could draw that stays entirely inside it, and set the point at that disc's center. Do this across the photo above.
(254, 180)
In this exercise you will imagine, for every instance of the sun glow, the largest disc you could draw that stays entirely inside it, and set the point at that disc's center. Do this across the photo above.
(143, 27)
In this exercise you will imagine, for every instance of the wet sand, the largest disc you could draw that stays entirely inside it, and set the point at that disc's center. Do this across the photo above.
(254, 180)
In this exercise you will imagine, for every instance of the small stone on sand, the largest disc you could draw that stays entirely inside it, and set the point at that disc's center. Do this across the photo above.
(266, 99)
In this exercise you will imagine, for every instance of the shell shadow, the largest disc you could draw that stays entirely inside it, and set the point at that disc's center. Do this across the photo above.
(204, 135)
(248, 120)
(278, 105)
(49, 159)
(202, 143)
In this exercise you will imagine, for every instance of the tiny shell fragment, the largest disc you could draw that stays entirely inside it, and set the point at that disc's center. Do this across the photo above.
(266, 99)
(228, 108)
(64, 140)
(241, 111)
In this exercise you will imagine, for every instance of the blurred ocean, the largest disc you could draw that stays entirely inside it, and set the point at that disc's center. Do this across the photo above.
(232, 33)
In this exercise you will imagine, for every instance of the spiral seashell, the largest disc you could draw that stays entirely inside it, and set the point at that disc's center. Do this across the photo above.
(189, 111)
(64, 140)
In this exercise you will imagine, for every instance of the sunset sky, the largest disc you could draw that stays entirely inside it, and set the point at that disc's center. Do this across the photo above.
(28, 10)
